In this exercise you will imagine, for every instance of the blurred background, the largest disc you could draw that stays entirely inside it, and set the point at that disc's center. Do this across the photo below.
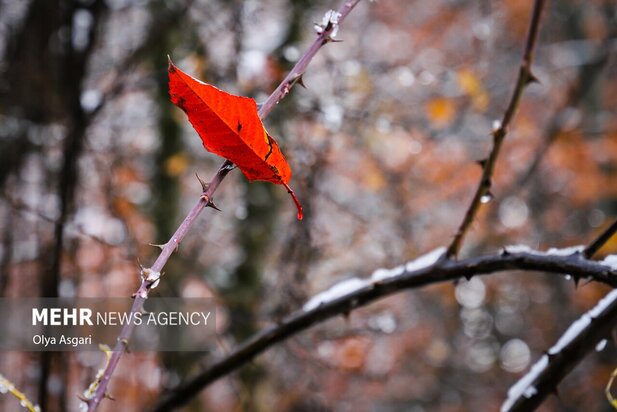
(96, 164)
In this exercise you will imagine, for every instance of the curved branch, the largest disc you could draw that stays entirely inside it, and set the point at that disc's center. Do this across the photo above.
(151, 276)
(441, 271)
(525, 77)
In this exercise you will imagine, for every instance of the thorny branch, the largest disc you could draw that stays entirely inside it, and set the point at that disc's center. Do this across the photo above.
(555, 365)
(151, 276)
(544, 380)
(525, 77)
(443, 270)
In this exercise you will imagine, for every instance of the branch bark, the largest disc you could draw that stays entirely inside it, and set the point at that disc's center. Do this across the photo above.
(152, 275)
(443, 270)
(525, 77)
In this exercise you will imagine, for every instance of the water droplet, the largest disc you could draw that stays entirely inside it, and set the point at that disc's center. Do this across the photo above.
(568, 277)
(487, 197)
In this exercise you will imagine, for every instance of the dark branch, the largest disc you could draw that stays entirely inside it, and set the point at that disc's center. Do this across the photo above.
(550, 370)
(597, 244)
(525, 77)
(442, 271)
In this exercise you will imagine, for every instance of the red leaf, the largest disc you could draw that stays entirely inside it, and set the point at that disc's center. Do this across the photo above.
(230, 127)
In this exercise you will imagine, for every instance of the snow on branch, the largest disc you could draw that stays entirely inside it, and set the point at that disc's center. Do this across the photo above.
(431, 268)
(586, 333)
(349, 286)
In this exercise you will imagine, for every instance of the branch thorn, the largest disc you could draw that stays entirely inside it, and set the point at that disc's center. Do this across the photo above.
(531, 78)
(299, 79)
(212, 205)
(204, 185)
(125, 342)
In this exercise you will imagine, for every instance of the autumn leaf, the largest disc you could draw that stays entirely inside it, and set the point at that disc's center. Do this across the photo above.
(230, 127)
(440, 111)
(469, 84)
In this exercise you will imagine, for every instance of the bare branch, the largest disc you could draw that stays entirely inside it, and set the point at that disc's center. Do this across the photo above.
(525, 77)
(597, 244)
(442, 271)
(581, 338)
(205, 200)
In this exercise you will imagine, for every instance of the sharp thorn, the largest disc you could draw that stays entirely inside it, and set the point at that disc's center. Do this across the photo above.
(109, 396)
(531, 78)
(155, 245)
(213, 206)
(204, 185)
(126, 345)
(300, 80)
(481, 163)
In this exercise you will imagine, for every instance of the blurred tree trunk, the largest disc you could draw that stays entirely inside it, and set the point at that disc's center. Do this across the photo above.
(46, 63)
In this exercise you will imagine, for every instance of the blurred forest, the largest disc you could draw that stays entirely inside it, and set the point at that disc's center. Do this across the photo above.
(96, 164)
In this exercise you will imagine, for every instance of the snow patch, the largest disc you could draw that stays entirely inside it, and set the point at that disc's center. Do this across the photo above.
(418, 263)
(336, 291)
(610, 261)
(348, 286)
(523, 384)
(330, 19)
(518, 249)
(601, 345)
(425, 260)
(530, 391)
(566, 251)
